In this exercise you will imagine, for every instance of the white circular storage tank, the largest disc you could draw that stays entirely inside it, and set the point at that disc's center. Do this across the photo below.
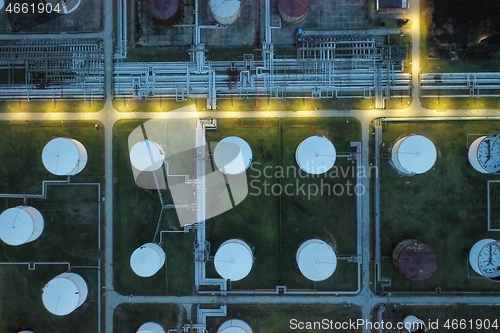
(484, 154)
(64, 293)
(20, 225)
(234, 326)
(412, 324)
(2, 4)
(25, 332)
(316, 155)
(232, 155)
(484, 258)
(147, 260)
(64, 157)
(316, 260)
(414, 154)
(150, 328)
(233, 260)
(147, 156)
(225, 11)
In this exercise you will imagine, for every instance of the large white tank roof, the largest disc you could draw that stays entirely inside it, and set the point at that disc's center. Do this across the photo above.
(64, 157)
(316, 155)
(233, 260)
(225, 11)
(316, 260)
(232, 155)
(64, 293)
(234, 326)
(484, 154)
(147, 156)
(147, 259)
(414, 154)
(150, 327)
(20, 225)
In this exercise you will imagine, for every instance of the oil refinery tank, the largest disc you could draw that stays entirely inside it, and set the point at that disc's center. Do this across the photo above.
(150, 327)
(414, 259)
(147, 260)
(234, 326)
(65, 293)
(225, 11)
(233, 260)
(316, 260)
(165, 11)
(315, 155)
(20, 225)
(232, 155)
(413, 154)
(64, 157)
(293, 11)
(484, 154)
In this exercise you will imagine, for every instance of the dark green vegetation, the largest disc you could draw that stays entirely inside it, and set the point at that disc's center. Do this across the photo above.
(259, 104)
(446, 103)
(21, 305)
(494, 193)
(478, 319)
(275, 319)
(274, 224)
(129, 317)
(51, 106)
(136, 215)
(452, 36)
(445, 207)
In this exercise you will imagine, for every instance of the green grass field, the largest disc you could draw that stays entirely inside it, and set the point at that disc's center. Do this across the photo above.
(445, 207)
(21, 305)
(275, 225)
(278, 319)
(252, 104)
(51, 106)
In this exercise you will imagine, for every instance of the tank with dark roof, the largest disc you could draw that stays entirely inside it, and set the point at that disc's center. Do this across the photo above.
(165, 11)
(414, 259)
(293, 11)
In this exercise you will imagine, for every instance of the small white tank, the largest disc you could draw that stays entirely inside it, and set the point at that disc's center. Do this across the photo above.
(20, 225)
(64, 293)
(150, 327)
(414, 154)
(233, 260)
(147, 260)
(225, 11)
(147, 155)
(234, 326)
(232, 155)
(484, 154)
(64, 157)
